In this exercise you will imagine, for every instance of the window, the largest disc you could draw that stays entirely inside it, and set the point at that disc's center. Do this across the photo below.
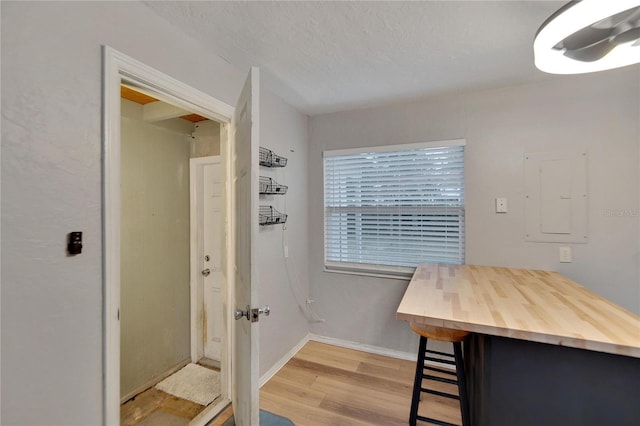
(387, 209)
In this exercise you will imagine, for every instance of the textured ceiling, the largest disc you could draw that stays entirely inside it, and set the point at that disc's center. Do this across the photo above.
(331, 56)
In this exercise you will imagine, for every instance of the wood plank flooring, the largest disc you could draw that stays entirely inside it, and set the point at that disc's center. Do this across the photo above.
(152, 402)
(156, 408)
(329, 385)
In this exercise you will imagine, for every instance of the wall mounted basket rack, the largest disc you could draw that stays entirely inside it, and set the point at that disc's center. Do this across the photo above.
(270, 216)
(270, 159)
(270, 186)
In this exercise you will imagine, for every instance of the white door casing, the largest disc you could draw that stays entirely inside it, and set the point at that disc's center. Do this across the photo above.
(118, 69)
(245, 228)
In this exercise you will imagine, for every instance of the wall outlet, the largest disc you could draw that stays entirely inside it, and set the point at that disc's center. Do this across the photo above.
(501, 205)
(565, 255)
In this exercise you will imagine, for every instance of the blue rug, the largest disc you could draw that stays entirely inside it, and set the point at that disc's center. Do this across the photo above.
(266, 419)
(270, 419)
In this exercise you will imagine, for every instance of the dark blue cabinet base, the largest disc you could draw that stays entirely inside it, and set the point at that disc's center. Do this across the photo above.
(519, 383)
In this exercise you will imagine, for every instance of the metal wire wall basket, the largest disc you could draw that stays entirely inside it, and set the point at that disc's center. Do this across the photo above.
(270, 186)
(270, 216)
(270, 159)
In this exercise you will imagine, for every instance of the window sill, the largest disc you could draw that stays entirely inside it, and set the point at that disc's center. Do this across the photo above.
(395, 275)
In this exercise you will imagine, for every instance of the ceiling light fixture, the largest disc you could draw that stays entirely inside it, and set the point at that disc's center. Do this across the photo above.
(589, 35)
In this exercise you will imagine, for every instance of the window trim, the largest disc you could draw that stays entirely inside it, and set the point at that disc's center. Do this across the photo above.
(367, 269)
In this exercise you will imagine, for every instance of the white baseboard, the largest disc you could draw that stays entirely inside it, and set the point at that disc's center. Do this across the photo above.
(408, 356)
(364, 348)
(283, 361)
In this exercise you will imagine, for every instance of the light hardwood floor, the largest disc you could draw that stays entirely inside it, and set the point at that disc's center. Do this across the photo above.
(330, 385)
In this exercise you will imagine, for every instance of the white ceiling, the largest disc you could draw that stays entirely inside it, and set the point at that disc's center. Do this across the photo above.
(331, 56)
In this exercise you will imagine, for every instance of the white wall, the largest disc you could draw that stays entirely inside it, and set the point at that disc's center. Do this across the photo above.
(51, 185)
(283, 282)
(597, 112)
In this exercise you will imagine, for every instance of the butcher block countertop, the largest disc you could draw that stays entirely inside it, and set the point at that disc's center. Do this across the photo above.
(525, 304)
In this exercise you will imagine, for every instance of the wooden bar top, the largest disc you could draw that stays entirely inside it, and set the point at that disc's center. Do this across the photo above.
(525, 304)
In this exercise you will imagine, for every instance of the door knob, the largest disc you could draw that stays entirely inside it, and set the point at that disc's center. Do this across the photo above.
(252, 314)
(206, 272)
(240, 313)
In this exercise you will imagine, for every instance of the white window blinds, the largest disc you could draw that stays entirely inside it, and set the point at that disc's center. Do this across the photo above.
(388, 209)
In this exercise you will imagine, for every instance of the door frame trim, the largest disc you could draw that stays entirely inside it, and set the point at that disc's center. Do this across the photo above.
(117, 69)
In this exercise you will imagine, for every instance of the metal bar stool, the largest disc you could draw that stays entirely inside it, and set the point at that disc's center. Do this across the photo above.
(422, 371)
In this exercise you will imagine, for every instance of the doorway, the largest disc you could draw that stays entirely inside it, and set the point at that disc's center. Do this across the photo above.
(124, 192)
(167, 178)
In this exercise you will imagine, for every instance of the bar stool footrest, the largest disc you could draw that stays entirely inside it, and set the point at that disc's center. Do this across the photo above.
(443, 394)
(440, 370)
(444, 361)
(435, 421)
(431, 351)
(440, 379)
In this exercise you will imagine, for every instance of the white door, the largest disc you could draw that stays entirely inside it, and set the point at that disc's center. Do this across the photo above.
(211, 258)
(245, 174)
(208, 249)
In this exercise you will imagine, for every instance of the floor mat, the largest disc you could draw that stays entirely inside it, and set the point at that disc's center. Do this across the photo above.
(194, 383)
